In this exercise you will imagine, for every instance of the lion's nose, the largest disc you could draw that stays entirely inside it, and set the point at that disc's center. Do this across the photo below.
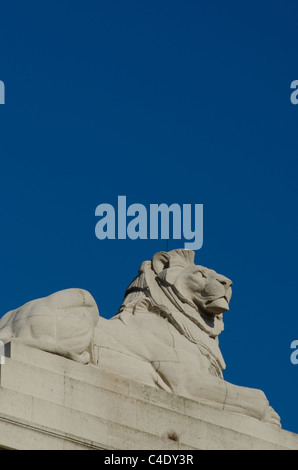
(225, 282)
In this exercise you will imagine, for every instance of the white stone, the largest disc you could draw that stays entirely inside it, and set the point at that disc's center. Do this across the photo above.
(155, 366)
(166, 328)
(88, 408)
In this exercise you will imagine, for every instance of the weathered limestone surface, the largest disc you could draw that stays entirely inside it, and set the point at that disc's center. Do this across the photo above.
(73, 379)
(165, 333)
(50, 402)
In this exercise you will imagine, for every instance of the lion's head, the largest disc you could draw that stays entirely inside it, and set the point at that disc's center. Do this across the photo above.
(171, 282)
(204, 288)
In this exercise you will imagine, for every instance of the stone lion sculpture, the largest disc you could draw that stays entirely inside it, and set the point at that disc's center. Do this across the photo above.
(165, 333)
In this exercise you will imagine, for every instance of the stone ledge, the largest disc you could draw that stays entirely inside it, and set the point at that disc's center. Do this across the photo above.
(47, 401)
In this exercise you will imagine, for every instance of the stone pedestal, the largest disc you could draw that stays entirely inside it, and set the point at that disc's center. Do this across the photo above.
(50, 402)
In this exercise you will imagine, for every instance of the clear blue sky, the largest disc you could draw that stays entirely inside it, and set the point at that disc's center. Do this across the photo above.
(161, 101)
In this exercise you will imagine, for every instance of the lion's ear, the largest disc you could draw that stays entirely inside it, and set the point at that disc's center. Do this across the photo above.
(179, 257)
(160, 261)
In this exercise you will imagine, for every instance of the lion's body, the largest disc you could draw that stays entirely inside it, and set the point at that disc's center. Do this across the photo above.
(150, 350)
(165, 333)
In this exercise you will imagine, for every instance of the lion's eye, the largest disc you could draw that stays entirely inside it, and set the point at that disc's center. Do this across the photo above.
(201, 273)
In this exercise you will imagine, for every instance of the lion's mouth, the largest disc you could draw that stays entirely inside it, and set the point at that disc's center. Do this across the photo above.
(217, 306)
